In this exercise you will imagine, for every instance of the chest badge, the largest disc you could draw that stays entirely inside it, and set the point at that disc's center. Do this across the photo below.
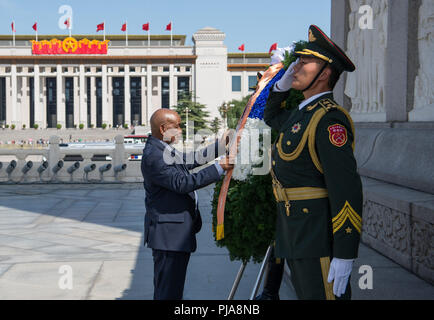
(296, 128)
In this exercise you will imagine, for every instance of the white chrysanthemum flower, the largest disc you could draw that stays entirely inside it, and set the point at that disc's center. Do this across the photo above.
(250, 149)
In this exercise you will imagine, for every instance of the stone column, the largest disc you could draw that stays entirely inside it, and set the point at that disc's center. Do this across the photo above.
(110, 100)
(401, 60)
(171, 86)
(37, 96)
(105, 118)
(193, 80)
(340, 9)
(92, 100)
(82, 95)
(14, 112)
(25, 103)
(149, 91)
(244, 84)
(60, 100)
(76, 102)
(43, 88)
(145, 120)
(127, 101)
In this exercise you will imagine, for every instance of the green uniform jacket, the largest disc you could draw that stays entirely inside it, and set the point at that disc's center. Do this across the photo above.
(317, 227)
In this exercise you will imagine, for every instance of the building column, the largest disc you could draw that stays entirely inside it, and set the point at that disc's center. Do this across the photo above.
(171, 86)
(127, 96)
(60, 100)
(193, 80)
(76, 102)
(339, 28)
(14, 95)
(145, 120)
(244, 84)
(110, 100)
(105, 113)
(82, 98)
(148, 92)
(25, 103)
(36, 97)
(401, 64)
(92, 101)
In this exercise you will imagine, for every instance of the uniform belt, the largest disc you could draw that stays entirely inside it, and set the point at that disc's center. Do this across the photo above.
(304, 193)
(290, 194)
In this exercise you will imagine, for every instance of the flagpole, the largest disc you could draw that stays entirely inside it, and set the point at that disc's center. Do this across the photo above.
(70, 28)
(126, 30)
(104, 29)
(171, 28)
(13, 33)
(149, 39)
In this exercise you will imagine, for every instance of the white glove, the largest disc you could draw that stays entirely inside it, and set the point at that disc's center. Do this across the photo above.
(340, 270)
(285, 83)
(279, 54)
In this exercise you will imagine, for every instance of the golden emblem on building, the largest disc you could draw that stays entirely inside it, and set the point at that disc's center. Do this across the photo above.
(69, 44)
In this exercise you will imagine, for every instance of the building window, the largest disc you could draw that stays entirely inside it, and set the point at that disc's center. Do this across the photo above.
(236, 83)
(252, 83)
(183, 87)
(165, 92)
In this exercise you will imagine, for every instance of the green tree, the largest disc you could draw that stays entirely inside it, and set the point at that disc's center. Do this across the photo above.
(196, 113)
(215, 125)
(233, 110)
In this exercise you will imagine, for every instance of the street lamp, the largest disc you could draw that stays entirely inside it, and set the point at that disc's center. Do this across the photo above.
(186, 123)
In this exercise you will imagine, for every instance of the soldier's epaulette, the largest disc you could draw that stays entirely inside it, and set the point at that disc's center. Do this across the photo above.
(328, 104)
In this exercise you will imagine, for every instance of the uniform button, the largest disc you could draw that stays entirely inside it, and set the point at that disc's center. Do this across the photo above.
(288, 143)
(305, 210)
(274, 163)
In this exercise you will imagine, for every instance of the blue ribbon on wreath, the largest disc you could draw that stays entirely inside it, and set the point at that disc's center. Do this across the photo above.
(257, 111)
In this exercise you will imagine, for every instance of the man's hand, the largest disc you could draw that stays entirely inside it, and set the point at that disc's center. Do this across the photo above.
(227, 163)
(340, 270)
(285, 83)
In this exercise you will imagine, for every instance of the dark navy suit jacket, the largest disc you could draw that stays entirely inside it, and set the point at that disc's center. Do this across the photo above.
(172, 218)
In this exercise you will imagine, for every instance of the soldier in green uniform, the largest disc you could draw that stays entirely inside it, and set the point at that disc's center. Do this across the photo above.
(315, 180)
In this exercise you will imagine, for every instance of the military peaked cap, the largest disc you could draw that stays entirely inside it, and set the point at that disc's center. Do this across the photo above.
(322, 47)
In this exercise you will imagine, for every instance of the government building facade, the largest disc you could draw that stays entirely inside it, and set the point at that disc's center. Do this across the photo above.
(87, 81)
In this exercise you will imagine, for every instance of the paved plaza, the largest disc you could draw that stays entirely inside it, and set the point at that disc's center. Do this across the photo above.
(94, 233)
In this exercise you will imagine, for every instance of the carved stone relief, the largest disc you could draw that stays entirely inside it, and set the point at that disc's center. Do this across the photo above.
(386, 225)
(367, 49)
(423, 87)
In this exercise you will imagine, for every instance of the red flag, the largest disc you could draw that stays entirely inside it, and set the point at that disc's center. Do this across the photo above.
(35, 26)
(124, 27)
(273, 47)
(241, 47)
(169, 27)
(67, 23)
(146, 26)
(13, 27)
(100, 27)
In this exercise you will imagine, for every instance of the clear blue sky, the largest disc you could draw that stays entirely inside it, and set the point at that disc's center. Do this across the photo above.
(255, 23)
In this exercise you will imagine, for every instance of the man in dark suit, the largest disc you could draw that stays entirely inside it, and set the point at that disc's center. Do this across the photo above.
(172, 217)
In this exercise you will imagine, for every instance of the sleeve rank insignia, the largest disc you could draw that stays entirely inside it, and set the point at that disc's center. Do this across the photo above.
(347, 213)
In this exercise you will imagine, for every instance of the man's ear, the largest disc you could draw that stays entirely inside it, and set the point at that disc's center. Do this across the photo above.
(162, 130)
(325, 75)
